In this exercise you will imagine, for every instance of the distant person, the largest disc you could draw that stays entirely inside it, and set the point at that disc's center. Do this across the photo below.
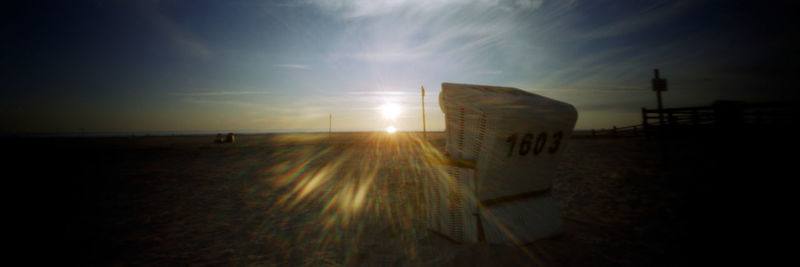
(231, 138)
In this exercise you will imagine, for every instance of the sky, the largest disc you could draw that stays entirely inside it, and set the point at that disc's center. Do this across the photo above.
(139, 66)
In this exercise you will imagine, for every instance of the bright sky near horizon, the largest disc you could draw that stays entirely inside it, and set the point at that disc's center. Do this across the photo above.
(108, 66)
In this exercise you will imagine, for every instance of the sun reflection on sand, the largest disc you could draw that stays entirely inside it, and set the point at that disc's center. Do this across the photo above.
(345, 189)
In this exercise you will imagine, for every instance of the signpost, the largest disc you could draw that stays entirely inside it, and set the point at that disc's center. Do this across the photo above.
(659, 85)
(424, 131)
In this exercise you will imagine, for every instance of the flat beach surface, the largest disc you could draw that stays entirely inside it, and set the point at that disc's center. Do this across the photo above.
(311, 199)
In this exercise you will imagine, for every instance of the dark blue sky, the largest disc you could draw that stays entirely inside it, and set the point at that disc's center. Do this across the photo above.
(270, 65)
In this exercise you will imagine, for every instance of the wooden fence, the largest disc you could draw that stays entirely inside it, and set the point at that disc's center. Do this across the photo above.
(626, 131)
(722, 115)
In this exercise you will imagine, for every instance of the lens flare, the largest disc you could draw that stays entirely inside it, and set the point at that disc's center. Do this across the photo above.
(390, 110)
(334, 197)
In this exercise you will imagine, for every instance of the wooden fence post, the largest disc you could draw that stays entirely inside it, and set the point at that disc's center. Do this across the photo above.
(644, 123)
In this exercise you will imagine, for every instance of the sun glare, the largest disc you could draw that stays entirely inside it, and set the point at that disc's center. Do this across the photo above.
(390, 110)
(391, 129)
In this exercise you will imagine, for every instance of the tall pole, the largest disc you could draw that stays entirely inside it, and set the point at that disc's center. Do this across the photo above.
(330, 122)
(424, 130)
(660, 109)
(658, 86)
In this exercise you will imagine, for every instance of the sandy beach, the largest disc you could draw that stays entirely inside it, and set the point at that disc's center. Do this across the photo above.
(315, 199)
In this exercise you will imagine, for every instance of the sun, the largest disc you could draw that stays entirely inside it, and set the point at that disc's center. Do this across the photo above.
(391, 129)
(390, 110)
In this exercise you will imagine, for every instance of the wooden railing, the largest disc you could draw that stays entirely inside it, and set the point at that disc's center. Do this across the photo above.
(633, 130)
(678, 116)
(720, 115)
(703, 119)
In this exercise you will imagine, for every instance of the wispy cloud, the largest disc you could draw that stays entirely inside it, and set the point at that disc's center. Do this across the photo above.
(220, 93)
(179, 36)
(293, 66)
(240, 104)
(376, 93)
(439, 33)
(638, 20)
(370, 8)
(489, 72)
